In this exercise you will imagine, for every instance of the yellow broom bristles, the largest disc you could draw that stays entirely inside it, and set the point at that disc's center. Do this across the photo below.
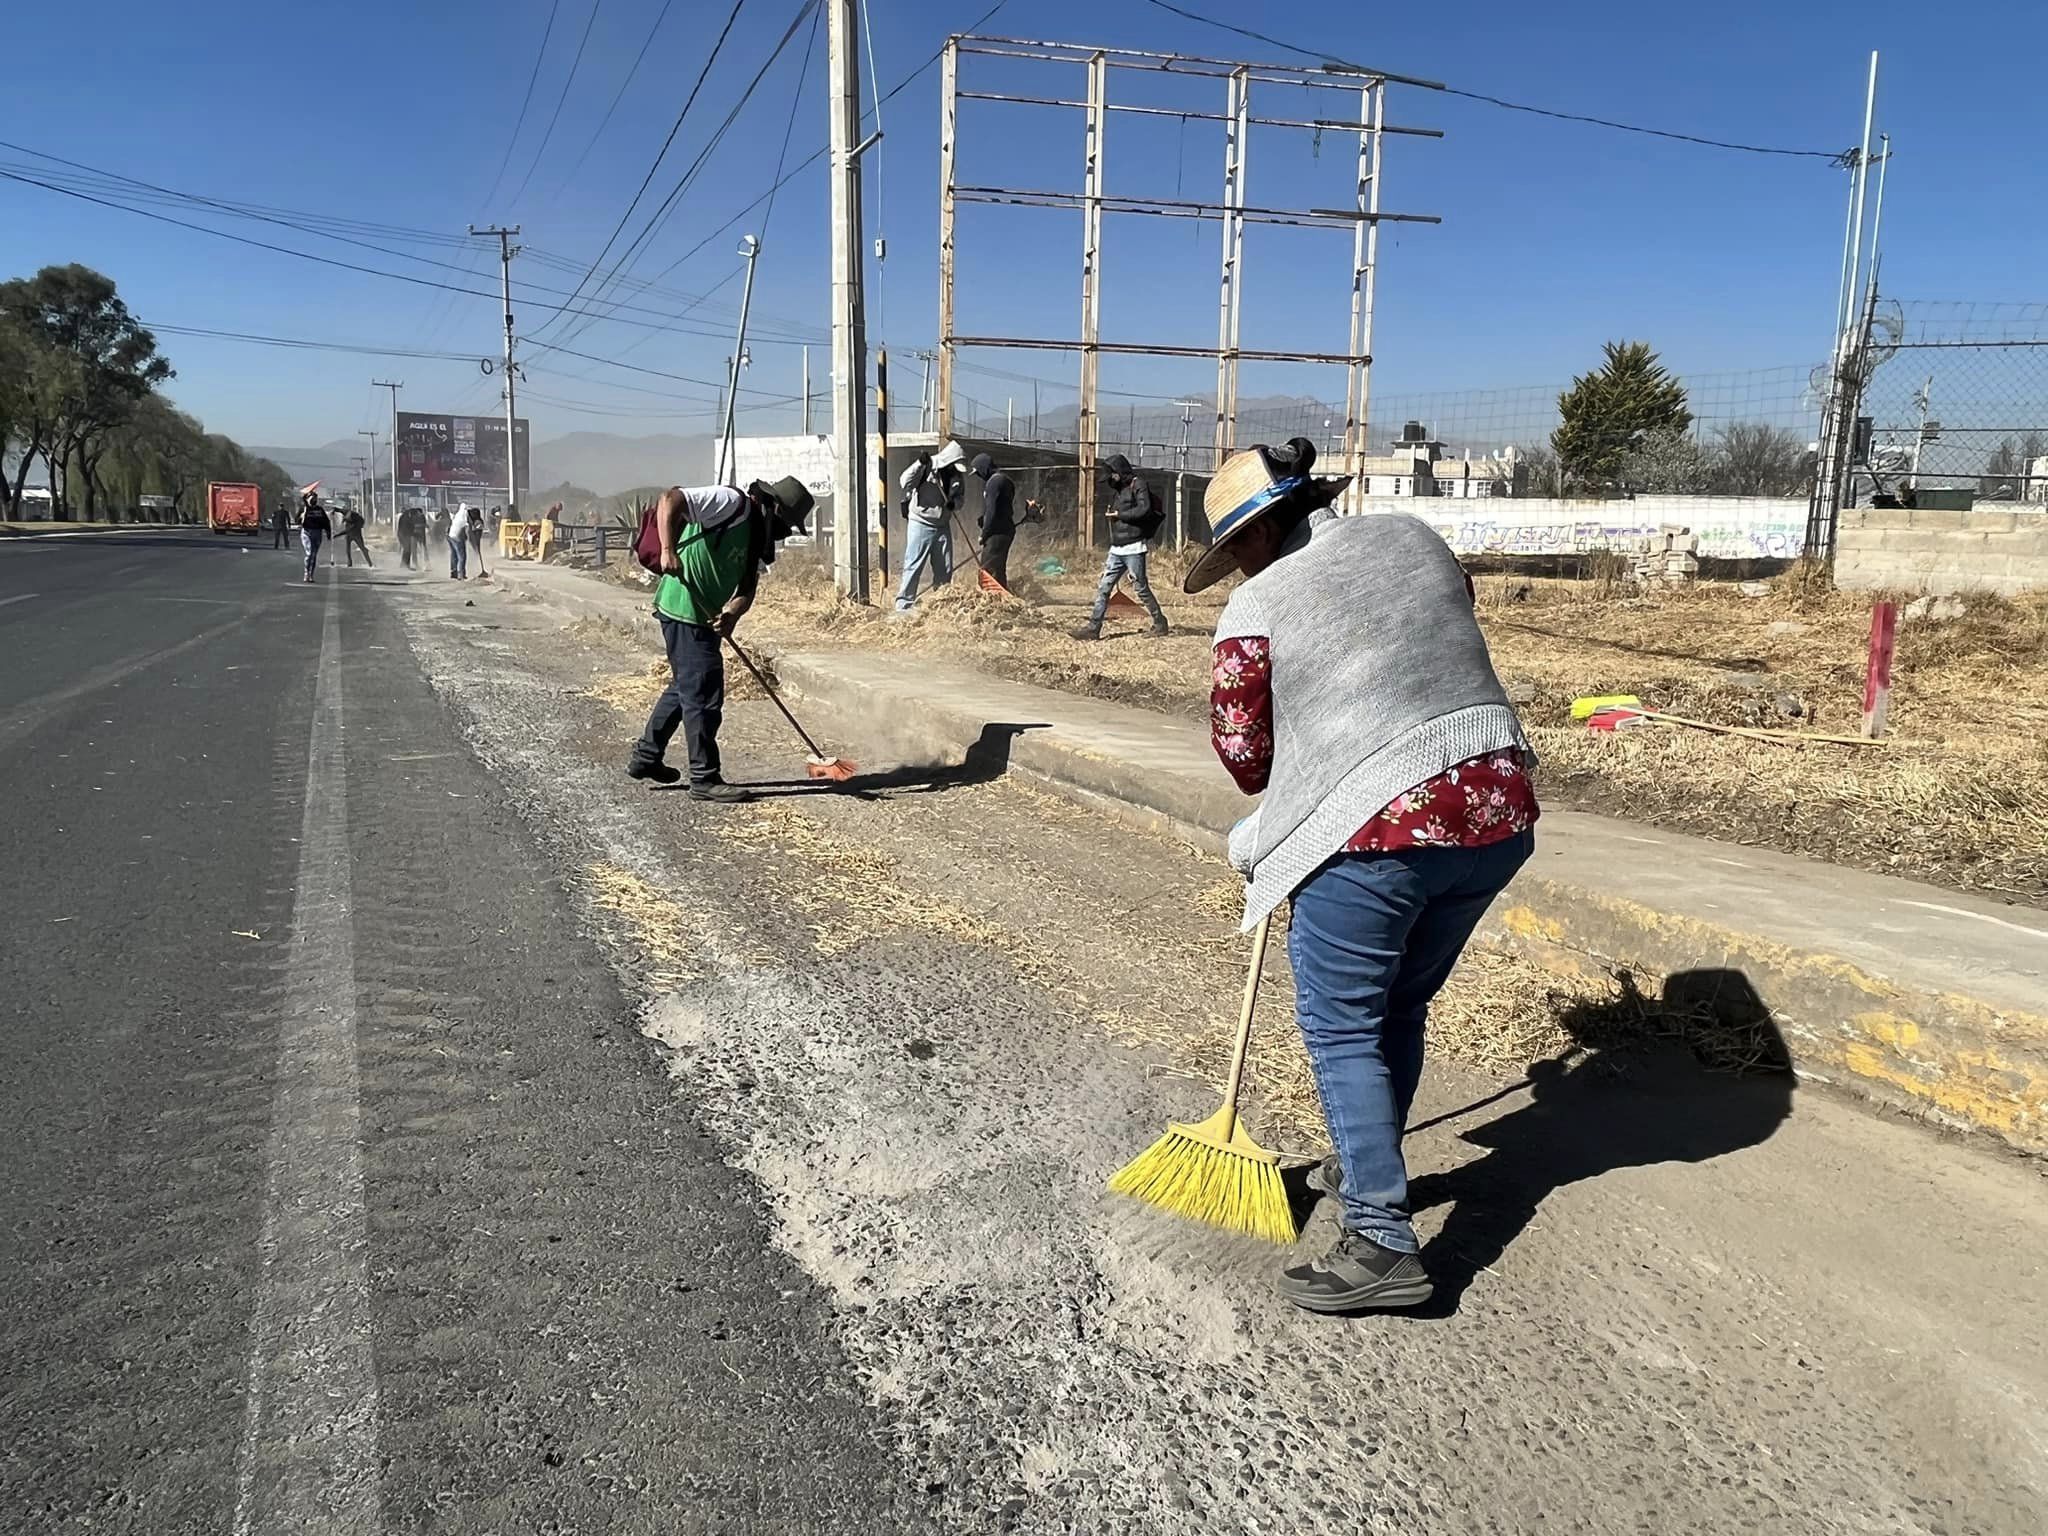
(1210, 1184)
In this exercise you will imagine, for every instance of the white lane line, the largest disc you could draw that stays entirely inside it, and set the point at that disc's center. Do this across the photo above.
(19, 597)
(1982, 917)
(308, 1462)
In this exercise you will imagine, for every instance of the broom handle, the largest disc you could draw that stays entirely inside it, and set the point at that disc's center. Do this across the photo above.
(1244, 1018)
(769, 689)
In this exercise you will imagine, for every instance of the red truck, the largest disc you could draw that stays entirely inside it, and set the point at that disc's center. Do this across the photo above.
(232, 508)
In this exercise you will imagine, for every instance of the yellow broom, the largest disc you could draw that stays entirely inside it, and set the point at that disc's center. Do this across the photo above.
(1212, 1172)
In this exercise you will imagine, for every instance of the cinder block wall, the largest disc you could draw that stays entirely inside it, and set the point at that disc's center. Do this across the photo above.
(1942, 552)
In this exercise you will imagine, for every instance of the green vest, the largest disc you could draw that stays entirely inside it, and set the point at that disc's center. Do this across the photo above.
(711, 568)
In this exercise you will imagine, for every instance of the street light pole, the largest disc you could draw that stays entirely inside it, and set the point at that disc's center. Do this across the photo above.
(370, 477)
(750, 247)
(394, 385)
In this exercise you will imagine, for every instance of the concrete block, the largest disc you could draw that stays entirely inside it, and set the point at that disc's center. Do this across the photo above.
(1950, 544)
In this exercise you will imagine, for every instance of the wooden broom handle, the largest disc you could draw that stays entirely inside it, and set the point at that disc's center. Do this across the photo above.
(1244, 1017)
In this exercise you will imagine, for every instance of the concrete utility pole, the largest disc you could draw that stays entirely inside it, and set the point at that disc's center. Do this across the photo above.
(750, 247)
(394, 386)
(369, 478)
(506, 251)
(849, 316)
(807, 391)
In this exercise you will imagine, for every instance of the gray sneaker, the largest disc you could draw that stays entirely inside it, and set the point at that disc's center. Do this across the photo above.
(1326, 1177)
(1356, 1274)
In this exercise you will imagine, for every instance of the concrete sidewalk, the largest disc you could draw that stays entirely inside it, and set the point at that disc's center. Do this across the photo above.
(1923, 999)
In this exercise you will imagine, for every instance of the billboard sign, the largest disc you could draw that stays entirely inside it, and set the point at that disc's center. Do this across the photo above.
(461, 452)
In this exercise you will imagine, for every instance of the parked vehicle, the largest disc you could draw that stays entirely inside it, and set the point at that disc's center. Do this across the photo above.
(233, 508)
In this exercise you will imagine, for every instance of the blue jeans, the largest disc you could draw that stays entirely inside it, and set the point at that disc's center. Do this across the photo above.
(458, 556)
(1372, 940)
(694, 700)
(928, 544)
(310, 540)
(1113, 570)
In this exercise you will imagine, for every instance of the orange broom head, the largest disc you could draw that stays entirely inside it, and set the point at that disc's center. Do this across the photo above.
(988, 583)
(837, 769)
(1213, 1173)
(1117, 600)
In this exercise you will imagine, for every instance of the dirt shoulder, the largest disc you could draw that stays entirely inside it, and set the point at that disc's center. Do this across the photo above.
(1956, 798)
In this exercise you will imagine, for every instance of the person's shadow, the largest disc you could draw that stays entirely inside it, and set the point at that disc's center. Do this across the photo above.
(1697, 1073)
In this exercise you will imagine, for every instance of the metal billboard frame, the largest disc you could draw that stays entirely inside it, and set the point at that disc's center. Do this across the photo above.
(1369, 88)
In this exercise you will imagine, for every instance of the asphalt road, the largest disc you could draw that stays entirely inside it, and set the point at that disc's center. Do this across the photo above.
(413, 1126)
(326, 1184)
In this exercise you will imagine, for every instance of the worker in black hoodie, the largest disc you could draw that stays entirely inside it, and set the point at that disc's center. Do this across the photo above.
(998, 516)
(1134, 516)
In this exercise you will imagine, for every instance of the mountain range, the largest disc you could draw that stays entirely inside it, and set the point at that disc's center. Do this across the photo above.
(601, 462)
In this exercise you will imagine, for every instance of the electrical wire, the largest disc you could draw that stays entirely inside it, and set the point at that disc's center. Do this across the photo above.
(519, 118)
(617, 96)
(555, 116)
(660, 215)
(1497, 101)
(674, 128)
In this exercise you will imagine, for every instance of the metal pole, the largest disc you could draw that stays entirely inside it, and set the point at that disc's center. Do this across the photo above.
(807, 391)
(882, 486)
(394, 386)
(849, 318)
(1863, 175)
(1884, 161)
(1362, 347)
(370, 478)
(1364, 247)
(924, 396)
(949, 79)
(750, 247)
(1089, 423)
(1009, 418)
(506, 251)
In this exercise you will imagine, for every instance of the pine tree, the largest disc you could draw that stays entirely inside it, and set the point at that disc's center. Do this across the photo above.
(1607, 412)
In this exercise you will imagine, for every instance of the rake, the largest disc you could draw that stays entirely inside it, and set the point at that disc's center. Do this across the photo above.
(818, 765)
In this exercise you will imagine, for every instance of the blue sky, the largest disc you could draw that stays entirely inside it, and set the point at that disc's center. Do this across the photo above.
(1555, 237)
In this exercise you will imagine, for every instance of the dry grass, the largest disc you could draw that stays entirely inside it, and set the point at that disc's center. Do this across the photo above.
(1960, 797)
(657, 922)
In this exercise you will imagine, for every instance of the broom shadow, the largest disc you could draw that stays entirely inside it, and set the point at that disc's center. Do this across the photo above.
(987, 758)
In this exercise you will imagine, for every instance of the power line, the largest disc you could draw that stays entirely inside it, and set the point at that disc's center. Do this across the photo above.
(674, 128)
(519, 119)
(555, 116)
(1497, 101)
(617, 96)
(660, 215)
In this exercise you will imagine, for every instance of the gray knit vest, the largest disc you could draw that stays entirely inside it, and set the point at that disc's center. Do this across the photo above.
(1381, 680)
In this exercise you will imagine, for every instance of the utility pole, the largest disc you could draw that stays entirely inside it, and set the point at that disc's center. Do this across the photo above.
(370, 478)
(750, 248)
(807, 391)
(506, 251)
(395, 386)
(849, 313)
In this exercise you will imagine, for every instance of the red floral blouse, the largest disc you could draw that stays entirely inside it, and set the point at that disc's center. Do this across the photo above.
(1482, 800)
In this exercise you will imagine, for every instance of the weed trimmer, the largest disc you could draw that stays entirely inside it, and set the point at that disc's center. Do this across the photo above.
(818, 765)
(1212, 1171)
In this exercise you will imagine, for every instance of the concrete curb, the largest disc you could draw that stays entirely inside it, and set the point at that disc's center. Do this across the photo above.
(1929, 1011)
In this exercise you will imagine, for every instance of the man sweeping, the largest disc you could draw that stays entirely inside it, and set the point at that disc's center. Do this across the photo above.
(715, 539)
(1353, 691)
(1134, 516)
(932, 489)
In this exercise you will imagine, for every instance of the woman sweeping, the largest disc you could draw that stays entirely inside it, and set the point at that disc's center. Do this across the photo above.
(1353, 690)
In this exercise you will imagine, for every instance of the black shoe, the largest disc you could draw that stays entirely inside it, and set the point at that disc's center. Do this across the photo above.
(718, 792)
(1086, 632)
(657, 773)
(1159, 626)
(1356, 1274)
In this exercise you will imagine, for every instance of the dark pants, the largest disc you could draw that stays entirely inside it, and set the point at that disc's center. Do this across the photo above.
(694, 699)
(476, 547)
(350, 543)
(1372, 939)
(995, 556)
(279, 532)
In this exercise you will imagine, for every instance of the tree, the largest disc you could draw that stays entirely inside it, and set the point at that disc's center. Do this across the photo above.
(2001, 471)
(1667, 461)
(1607, 412)
(1753, 458)
(90, 363)
(1542, 473)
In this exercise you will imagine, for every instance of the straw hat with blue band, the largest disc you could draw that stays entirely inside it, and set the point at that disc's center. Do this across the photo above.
(1251, 486)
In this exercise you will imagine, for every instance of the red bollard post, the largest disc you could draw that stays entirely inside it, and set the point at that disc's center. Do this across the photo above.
(1877, 675)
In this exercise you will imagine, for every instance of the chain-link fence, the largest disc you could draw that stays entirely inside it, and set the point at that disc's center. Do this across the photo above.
(1752, 430)
(1958, 402)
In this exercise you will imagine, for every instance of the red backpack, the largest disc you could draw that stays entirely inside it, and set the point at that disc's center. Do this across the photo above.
(647, 543)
